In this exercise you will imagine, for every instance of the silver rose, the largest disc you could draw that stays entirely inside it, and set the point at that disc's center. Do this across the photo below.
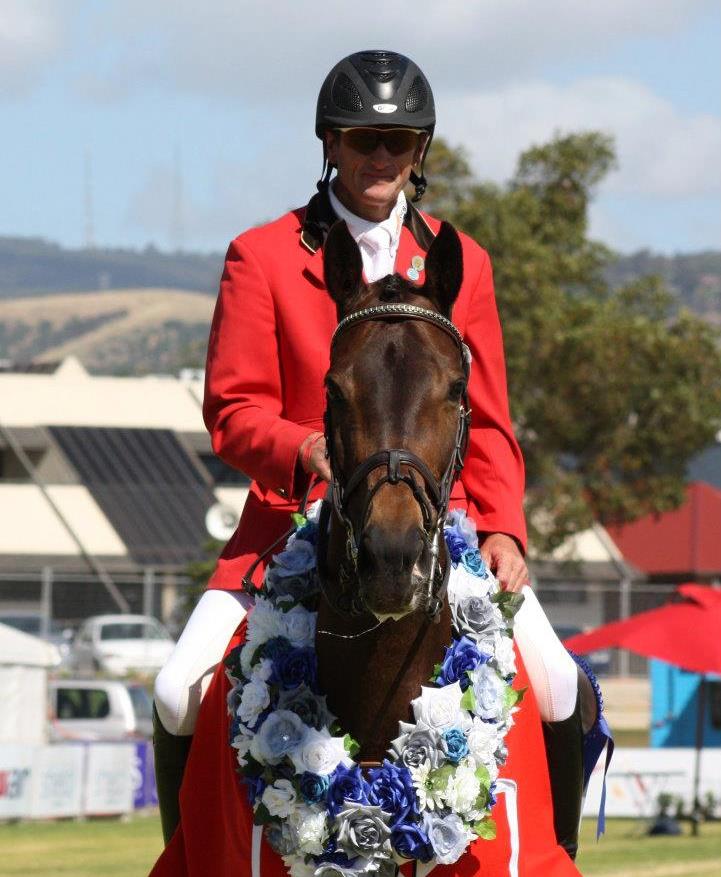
(363, 830)
(476, 617)
(417, 744)
(281, 837)
(310, 708)
(448, 836)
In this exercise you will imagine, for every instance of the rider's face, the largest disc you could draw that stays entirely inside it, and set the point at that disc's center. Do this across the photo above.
(369, 185)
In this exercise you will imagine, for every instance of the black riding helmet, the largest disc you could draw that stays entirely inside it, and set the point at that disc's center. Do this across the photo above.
(371, 89)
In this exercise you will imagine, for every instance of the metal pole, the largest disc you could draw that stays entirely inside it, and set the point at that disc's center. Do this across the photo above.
(99, 571)
(148, 590)
(624, 656)
(700, 722)
(46, 600)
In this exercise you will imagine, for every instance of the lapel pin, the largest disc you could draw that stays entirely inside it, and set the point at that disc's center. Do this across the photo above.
(418, 263)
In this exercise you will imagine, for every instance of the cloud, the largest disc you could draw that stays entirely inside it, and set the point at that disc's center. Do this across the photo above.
(662, 151)
(280, 51)
(31, 36)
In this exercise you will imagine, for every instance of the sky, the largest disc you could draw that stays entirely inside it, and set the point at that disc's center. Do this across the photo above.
(172, 124)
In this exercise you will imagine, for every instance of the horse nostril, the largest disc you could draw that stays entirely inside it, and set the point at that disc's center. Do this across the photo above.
(391, 551)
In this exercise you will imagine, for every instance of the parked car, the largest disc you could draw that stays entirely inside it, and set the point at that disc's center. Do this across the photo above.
(32, 622)
(98, 709)
(600, 661)
(121, 644)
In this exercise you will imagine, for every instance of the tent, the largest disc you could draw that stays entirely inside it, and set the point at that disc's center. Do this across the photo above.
(24, 664)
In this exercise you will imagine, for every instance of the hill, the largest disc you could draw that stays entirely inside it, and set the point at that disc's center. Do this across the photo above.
(30, 267)
(34, 267)
(119, 332)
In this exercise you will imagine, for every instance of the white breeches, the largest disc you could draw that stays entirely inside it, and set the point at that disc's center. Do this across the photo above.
(183, 681)
(551, 670)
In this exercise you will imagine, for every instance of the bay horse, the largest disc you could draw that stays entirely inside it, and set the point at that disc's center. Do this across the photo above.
(396, 421)
(396, 427)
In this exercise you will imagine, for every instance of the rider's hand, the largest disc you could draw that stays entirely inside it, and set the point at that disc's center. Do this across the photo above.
(503, 557)
(312, 456)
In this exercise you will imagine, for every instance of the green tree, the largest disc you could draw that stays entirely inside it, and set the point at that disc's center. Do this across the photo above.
(612, 390)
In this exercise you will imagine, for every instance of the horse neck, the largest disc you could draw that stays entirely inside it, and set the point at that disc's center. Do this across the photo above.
(371, 680)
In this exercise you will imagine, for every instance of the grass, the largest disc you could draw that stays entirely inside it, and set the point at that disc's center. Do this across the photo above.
(129, 848)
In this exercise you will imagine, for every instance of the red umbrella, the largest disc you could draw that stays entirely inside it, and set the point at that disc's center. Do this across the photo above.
(686, 634)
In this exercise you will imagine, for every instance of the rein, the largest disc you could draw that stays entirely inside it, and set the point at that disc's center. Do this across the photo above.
(431, 494)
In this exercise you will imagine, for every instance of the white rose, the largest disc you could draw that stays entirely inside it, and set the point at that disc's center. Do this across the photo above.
(440, 708)
(311, 829)
(299, 626)
(483, 741)
(255, 698)
(280, 798)
(463, 788)
(241, 744)
(462, 584)
(312, 513)
(504, 654)
(319, 753)
(489, 691)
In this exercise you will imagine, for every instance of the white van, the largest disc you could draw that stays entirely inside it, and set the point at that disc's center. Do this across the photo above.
(98, 709)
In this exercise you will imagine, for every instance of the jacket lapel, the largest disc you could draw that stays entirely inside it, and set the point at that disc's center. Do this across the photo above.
(416, 238)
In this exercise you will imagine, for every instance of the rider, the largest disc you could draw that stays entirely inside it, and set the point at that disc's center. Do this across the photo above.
(267, 357)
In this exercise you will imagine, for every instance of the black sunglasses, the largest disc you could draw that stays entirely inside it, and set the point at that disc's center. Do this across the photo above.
(366, 140)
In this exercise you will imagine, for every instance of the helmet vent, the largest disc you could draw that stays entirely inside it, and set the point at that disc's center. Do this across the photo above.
(384, 75)
(417, 96)
(345, 95)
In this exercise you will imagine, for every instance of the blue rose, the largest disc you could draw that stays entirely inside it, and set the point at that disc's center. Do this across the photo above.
(313, 788)
(456, 544)
(255, 787)
(492, 796)
(295, 667)
(455, 745)
(391, 788)
(346, 784)
(472, 561)
(461, 656)
(276, 647)
(308, 532)
(279, 735)
(458, 521)
(409, 840)
(297, 558)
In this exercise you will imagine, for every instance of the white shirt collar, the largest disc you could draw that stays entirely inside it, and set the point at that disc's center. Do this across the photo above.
(375, 235)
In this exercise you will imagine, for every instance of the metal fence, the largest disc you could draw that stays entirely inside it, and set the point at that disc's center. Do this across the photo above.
(63, 600)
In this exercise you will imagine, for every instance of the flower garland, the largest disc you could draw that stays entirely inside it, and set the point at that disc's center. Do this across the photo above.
(433, 796)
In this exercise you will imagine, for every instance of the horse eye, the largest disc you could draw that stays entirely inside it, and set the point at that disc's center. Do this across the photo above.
(333, 391)
(456, 390)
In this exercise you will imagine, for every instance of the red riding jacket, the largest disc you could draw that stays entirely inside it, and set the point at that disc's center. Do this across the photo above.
(268, 354)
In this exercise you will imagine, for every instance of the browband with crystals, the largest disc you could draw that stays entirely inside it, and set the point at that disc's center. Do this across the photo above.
(399, 310)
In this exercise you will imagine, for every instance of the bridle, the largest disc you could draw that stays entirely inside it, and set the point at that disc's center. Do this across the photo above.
(431, 494)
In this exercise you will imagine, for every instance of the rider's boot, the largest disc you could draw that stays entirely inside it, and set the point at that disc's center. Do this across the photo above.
(564, 751)
(171, 753)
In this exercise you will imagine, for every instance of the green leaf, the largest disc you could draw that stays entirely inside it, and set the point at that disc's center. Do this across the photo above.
(352, 747)
(483, 776)
(299, 520)
(261, 815)
(252, 768)
(436, 672)
(485, 828)
(508, 602)
(468, 701)
(438, 778)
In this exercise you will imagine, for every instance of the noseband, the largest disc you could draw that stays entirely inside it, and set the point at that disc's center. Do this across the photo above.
(402, 467)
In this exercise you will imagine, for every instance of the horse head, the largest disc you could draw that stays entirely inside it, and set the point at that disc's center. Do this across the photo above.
(396, 412)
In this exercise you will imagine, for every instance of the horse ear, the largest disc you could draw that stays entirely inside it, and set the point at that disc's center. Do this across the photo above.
(444, 269)
(342, 266)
